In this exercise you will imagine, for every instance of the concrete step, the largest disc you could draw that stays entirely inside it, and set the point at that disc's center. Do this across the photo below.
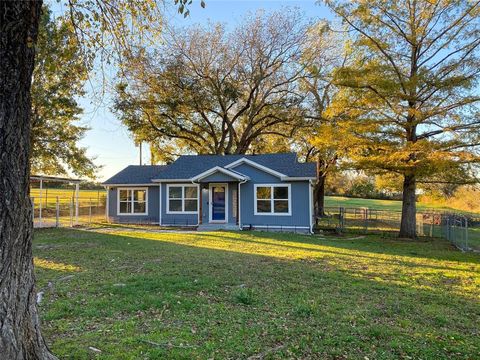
(213, 227)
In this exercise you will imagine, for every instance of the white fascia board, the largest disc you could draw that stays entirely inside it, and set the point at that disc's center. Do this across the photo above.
(171, 180)
(300, 178)
(213, 170)
(128, 185)
(256, 165)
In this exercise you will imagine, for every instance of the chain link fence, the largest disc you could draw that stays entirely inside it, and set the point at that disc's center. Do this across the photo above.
(456, 230)
(66, 212)
(461, 230)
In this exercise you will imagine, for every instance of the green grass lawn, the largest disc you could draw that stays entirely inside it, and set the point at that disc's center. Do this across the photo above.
(393, 205)
(134, 294)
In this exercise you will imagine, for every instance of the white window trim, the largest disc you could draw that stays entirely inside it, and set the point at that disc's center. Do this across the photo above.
(132, 213)
(289, 213)
(210, 205)
(182, 198)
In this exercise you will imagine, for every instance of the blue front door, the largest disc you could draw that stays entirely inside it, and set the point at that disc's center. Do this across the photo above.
(218, 202)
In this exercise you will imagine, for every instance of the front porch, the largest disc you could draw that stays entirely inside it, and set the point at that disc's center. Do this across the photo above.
(219, 205)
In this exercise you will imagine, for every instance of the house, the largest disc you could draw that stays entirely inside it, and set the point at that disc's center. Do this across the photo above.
(267, 191)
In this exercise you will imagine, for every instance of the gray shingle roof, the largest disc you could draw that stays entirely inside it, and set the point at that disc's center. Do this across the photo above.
(187, 166)
(136, 174)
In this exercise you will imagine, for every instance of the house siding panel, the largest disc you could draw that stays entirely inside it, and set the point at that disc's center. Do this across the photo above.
(256, 175)
(300, 216)
(299, 205)
(151, 217)
(175, 219)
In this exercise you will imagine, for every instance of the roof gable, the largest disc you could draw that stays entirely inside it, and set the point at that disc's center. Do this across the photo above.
(264, 168)
(217, 169)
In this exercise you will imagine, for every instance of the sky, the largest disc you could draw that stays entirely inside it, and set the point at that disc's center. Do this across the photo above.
(108, 141)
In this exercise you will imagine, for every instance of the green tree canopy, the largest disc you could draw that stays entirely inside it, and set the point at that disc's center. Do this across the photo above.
(59, 76)
(413, 92)
(209, 90)
(320, 138)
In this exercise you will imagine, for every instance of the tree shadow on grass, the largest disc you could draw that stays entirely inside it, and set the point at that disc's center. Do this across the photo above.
(438, 249)
(392, 258)
(160, 289)
(388, 266)
(349, 259)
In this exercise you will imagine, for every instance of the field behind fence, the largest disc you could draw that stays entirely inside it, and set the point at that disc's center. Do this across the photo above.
(463, 230)
(55, 208)
(59, 208)
(49, 195)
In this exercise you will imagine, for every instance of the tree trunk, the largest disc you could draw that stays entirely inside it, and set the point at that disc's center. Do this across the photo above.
(20, 336)
(408, 223)
(319, 195)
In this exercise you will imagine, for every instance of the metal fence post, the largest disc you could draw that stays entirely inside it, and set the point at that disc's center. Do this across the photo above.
(40, 203)
(466, 233)
(447, 228)
(365, 220)
(90, 212)
(77, 197)
(341, 218)
(33, 209)
(57, 213)
(71, 212)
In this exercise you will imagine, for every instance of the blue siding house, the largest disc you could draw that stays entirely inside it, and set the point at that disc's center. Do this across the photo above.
(268, 191)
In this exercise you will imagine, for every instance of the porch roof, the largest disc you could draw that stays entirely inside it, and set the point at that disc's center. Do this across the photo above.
(234, 175)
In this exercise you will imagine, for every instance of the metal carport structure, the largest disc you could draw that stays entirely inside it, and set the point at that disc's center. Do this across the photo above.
(45, 178)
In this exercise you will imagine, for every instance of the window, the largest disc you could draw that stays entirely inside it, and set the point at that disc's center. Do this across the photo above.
(182, 199)
(132, 201)
(272, 199)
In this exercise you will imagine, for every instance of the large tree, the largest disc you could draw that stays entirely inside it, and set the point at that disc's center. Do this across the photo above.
(414, 93)
(20, 336)
(320, 138)
(104, 28)
(209, 90)
(56, 113)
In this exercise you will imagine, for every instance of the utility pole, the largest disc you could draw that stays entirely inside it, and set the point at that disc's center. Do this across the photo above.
(140, 145)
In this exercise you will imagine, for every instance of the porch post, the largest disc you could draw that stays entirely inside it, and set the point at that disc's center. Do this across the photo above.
(200, 201)
(160, 205)
(107, 205)
(238, 203)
